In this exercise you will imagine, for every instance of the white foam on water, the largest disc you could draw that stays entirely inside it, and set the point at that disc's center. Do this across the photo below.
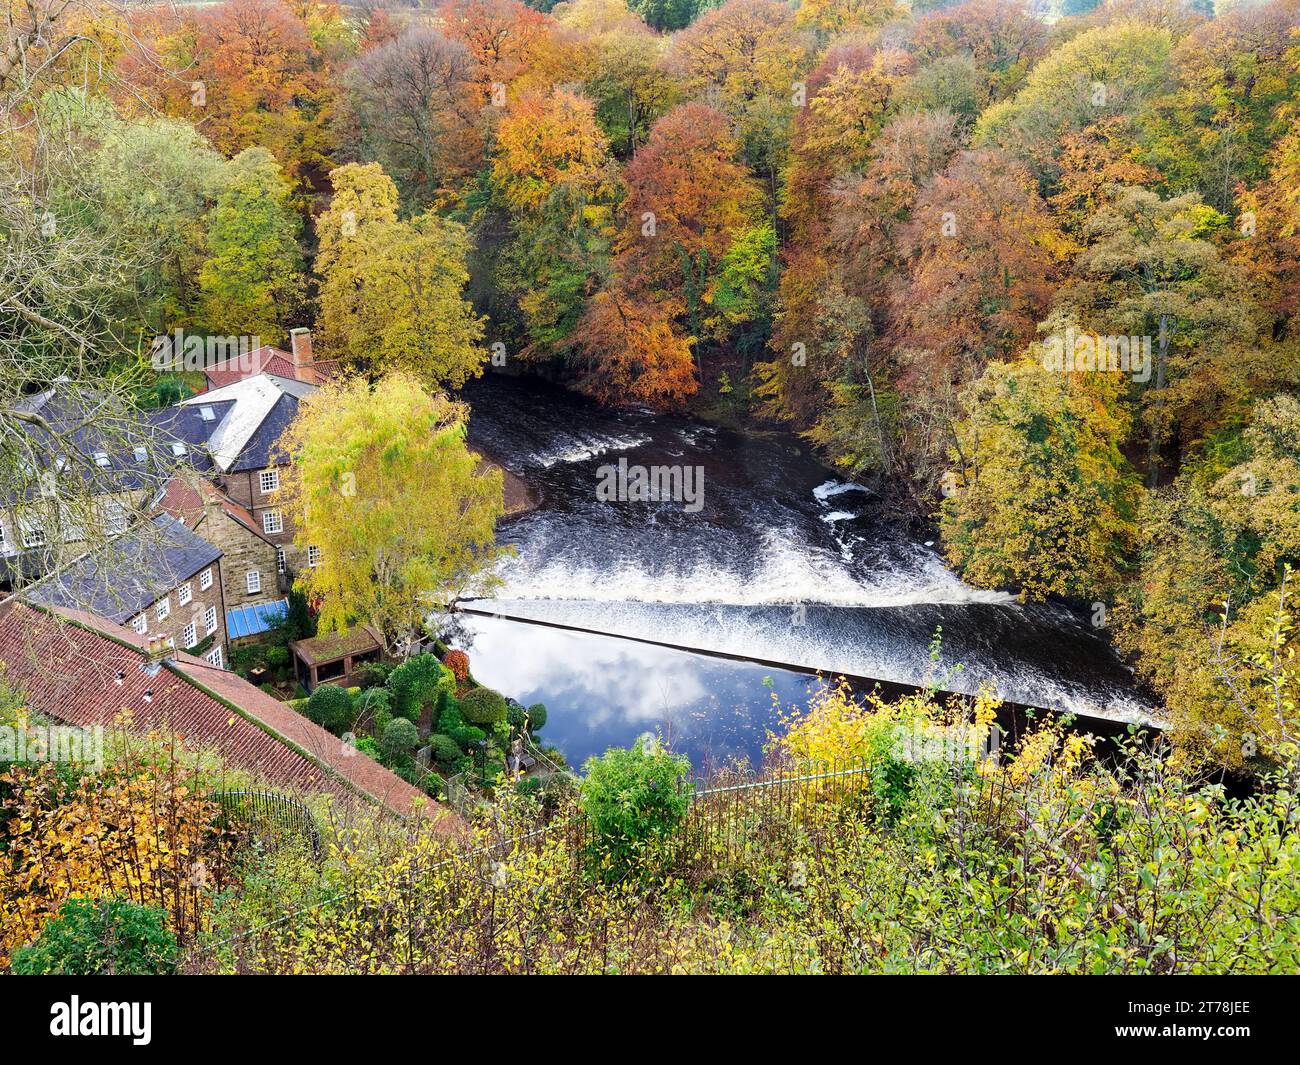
(828, 489)
(579, 450)
(785, 570)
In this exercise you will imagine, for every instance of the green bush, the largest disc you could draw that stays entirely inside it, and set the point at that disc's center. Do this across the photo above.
(370, 704)
(277, 657)
(632, 797)
(516, 715)
(467, 736)
(331, 708)
(446, 752)
(92, 937)
(536, 717)
(367, 746)
(483, 706)
(415, 685)
(400, 738)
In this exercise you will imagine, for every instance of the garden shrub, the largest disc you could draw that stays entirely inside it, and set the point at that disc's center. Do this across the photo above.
(400, 738)
(483, 706)
(277, 657)
(467, 736)
(446, 752)
(632, 797)
(92, 937)
(536, 717)
(415, 685)
(516, 715)
(370, 704)
(331, 708)
(458, 663)
(367, 746)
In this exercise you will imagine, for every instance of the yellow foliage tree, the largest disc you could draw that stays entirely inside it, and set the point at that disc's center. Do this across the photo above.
(403, 515)
(391, 291)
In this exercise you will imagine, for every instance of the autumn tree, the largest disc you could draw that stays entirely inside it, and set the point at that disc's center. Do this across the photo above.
(1224, 114)
(255, 76)
(391, 291)
(1215, 547)
(416, 112)
(546, 141)
(1103, 72)
(1151, 269)
(403, 514)
(629, 350)
(252, 281)
(1042, 500)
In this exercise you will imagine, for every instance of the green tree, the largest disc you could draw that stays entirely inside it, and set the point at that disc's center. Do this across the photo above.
(252, 281)
(1151, 270)
(1215, 549)
(402, 512)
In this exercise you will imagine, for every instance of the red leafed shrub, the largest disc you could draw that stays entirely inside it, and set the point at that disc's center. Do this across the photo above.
(458, 663)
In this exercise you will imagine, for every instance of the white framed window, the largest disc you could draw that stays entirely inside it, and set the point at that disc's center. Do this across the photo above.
(102, 459)
(268, 481)
(216, 658)
(140, 454)
(184, 594)
(313, 557)
(189, 635)
(4, 540)
(180, 450)
(33, 534)
(141, 624)
(207, 414)
(210, 620)
(205, 579)
(272, 521)
(164, 609)
(253, 579)
(279, 555)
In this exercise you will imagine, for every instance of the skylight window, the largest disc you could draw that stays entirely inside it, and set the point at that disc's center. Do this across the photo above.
(141, 454)
(207, 414)
(180, 450)
(101, 459)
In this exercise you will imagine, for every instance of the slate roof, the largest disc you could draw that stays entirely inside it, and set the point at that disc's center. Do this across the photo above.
(90, 424)
(85, 670)
(263, 408)
(130, 572)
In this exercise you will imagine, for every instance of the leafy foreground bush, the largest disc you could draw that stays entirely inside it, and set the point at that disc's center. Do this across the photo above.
(483, 706)
(1052, 861)
(90, 938)
(631, 799)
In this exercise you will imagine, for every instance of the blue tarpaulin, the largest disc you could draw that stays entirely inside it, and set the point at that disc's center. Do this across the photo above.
(255, 618)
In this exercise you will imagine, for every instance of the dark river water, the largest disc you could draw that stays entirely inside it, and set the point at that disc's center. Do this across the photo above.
(614, 613)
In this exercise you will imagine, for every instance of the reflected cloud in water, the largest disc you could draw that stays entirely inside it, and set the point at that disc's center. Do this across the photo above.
(603, 692)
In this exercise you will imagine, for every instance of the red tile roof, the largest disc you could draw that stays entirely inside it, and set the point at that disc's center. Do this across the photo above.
(67, 663)
(266, 359)
(184, 497)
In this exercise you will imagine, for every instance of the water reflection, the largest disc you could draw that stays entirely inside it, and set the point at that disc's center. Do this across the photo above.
(603, 692)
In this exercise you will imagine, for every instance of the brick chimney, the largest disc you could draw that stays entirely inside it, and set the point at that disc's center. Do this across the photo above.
(300, 341)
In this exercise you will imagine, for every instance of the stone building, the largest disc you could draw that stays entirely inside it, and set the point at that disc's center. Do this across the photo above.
(247, 462)
(250, 572)
(157, 578)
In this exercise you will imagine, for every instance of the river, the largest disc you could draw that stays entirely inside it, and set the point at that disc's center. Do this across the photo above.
(615, 613)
